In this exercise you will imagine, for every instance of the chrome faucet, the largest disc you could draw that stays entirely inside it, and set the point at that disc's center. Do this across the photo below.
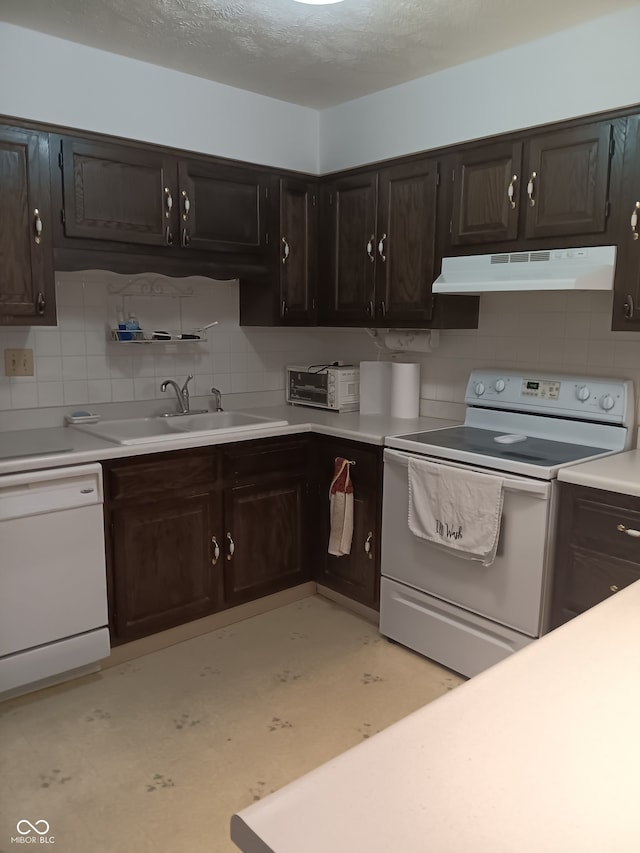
(217, 395)
(182, 395)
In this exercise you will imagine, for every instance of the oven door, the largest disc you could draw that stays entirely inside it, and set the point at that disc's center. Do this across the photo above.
(514, 589)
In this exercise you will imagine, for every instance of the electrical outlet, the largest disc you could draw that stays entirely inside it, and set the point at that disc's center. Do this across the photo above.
(18, 362)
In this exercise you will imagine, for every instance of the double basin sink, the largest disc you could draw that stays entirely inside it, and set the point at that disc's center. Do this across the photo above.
(147, 430)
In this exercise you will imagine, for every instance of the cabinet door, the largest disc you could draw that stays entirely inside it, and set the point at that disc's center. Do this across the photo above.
(298, 255)
(117, 193)
(486, 189)
(223, 208)
(351, 246)
(164, 570)
(626, 297)
(567, 182)
(406, 239)
(27, 291)
(263, 537)
(357, 574)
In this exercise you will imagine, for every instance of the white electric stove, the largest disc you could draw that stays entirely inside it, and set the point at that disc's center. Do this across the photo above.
(520, 428)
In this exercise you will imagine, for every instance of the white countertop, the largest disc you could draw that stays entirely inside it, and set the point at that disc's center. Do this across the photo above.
(538, 753)
(618, 473)
(84, 447)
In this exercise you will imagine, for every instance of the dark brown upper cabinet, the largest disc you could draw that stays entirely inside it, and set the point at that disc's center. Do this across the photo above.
(297, 265)
(626, 296)
(137, 199)
(222, 208)
(380, 236)
(117, 193)
(485, 194)
(542, 187)
(27, 286)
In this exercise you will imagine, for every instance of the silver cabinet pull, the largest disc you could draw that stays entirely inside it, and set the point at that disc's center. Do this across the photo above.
(168, 236)
(186, 239)
(634, 221)
(370, 243)
(628, 307)
(41, 303)
(283, 308)
(216, 551)
(168, 202)
(285, 250)
(511, 191)
(629, 531)
(383, 308)
(367, 545)
(383, 257)
(531, 187)
(232, 547)
(614, 587)
(370, 309)
(37, 225)
(186, 205)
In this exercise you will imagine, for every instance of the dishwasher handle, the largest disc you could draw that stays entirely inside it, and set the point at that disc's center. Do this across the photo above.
(539, 488)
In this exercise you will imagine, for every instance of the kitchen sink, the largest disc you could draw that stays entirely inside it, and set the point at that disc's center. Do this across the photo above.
(148, 430)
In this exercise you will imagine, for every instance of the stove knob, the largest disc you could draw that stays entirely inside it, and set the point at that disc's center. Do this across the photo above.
(499, 385)
(583, 393)
(479, 389)
(607, 402)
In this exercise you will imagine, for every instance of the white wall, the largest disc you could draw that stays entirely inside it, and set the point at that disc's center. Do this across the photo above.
(582, 70)
(58, 82)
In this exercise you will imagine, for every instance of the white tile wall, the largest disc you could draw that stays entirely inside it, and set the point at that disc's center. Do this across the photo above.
(76, 363)
(554, 332)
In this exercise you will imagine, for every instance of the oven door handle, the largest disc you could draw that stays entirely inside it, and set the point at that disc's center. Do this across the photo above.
(539, 488)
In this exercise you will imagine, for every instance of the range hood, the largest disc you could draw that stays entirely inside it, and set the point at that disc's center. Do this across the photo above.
(557, 269)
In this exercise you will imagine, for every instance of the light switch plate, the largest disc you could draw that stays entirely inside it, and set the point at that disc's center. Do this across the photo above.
(18, 362)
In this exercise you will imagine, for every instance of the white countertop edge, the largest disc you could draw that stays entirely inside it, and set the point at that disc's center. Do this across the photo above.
(618, 473)
(539, 752)
(369, 429)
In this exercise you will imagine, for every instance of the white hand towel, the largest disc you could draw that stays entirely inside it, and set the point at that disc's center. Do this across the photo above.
(341, 510)
(456, 509)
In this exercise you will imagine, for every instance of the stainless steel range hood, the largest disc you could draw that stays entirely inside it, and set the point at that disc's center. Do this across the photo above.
(557, 269)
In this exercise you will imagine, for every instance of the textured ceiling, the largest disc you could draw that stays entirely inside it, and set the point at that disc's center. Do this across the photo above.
(316, 56)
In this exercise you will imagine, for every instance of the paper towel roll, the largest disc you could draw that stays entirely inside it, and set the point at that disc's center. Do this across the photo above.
(375, 387)
(405, 390)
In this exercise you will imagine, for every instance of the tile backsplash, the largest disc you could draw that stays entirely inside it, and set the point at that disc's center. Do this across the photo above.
(77, 365)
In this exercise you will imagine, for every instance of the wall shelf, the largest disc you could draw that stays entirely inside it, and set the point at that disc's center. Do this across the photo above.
(124, 336)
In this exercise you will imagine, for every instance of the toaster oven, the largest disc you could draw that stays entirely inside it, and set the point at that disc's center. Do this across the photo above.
(333, 387)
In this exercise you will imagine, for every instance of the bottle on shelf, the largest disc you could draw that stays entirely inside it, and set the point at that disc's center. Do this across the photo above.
(133, 326)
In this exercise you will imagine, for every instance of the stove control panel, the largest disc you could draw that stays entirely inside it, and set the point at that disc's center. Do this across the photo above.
(584, 398)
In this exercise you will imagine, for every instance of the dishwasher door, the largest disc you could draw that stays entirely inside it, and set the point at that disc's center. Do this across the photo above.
(53, 597)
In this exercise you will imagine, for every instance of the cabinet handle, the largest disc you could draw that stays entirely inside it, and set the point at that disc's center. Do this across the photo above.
(629, 531)
(628, 307)
(168, 236)
(383, 257)
(168, 202)
(511, 191)
(216, 551)
(231, 549)
(186, 205)
(634, 221)
(186, 239)
(285, 250)
(37, 225)
(370, 243)
(367, 545)
(614, 588)
(531, 186)
(41, 303)
(383, 308)
(283, 308)
(370, 309)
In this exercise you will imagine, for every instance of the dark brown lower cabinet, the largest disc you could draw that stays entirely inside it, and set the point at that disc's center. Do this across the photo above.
(196, 531)
(357, 574)
(597, 550)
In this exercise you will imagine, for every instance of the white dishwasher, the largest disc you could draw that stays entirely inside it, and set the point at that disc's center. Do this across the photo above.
(53, 594)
